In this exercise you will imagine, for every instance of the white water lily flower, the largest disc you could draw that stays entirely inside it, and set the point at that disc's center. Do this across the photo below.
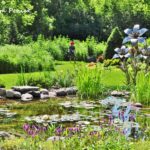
(134, 35)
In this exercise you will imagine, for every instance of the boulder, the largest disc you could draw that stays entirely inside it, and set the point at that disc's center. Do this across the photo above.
(2, 92)
(10, 93)
(26, 97)
(35, 94)
(4, 135)
(17, 95)
(44, 91)
(120, 93)
(44, 96)
(71, 91)
(138, 105)
(25, 89)
(61, 92)
(52, 94)
(13, 94)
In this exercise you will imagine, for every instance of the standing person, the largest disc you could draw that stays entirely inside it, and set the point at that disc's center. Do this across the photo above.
(71, 51)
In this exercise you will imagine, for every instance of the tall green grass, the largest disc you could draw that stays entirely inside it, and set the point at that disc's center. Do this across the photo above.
(142, 90)
(89, 82)
(30, 57)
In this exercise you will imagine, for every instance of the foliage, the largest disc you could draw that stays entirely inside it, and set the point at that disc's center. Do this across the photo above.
(94, 47)
(77, 19)
(142, 91)
(115, 39)
(43, 80)
(89, 140)
(64, 79)
(2, 85)
(89, 82)
(110, 62)
(29, 58)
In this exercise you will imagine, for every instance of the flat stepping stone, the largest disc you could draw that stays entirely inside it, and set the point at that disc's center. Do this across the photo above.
(120, 93)
(25, 89)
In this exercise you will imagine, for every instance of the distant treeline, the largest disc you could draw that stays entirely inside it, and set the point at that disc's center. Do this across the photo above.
(23, 20)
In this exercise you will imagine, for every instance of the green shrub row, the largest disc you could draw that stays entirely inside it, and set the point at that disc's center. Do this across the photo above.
(30, 58)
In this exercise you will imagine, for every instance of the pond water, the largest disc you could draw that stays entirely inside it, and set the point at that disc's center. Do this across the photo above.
(69, 112)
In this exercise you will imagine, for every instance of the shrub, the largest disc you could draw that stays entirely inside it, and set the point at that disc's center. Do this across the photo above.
(89, 82)
(99, 49)
(115, 40)
(2, 85)
(111, 62)
(81, 52)
(65, 79)
(95, 48)
(30, 57)
(43, 80)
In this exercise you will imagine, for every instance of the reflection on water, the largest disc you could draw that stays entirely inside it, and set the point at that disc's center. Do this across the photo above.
(125, 118)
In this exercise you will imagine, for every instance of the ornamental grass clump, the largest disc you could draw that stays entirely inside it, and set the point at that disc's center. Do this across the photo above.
(89, 81)
(142, 91)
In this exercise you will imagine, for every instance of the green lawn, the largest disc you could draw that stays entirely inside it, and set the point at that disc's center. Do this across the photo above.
(111, 77)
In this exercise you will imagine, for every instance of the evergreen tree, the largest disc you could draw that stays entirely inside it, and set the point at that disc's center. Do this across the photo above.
(115, 40)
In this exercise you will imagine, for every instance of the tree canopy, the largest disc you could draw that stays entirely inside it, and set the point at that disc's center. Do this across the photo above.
(74, 18)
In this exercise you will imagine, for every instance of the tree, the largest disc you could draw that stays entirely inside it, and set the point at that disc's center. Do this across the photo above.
(115, 40)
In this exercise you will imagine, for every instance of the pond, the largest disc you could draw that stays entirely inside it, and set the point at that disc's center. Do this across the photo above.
(68, 112)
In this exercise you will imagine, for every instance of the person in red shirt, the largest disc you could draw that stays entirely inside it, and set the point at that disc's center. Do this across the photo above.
(71, 51)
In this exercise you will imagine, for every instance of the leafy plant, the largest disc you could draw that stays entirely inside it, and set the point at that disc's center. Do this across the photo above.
(142, 91)
(88, 81)
(64, 79)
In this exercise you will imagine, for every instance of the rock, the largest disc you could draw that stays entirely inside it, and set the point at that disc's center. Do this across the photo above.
(25, 89)
(83, 122)
(35, 94)
(138, 105)
(52, 94)
(2, 92)
(71, 91)
(46, 117)
(120, 93)
(13, 94)
(111, 101)
(44, 91)
(26, 97)
(91, 59)
(17, 95)
(10, 93)
(66, 104)
(55, 138)
(43, 96)
(61, 92)
(5, 135)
